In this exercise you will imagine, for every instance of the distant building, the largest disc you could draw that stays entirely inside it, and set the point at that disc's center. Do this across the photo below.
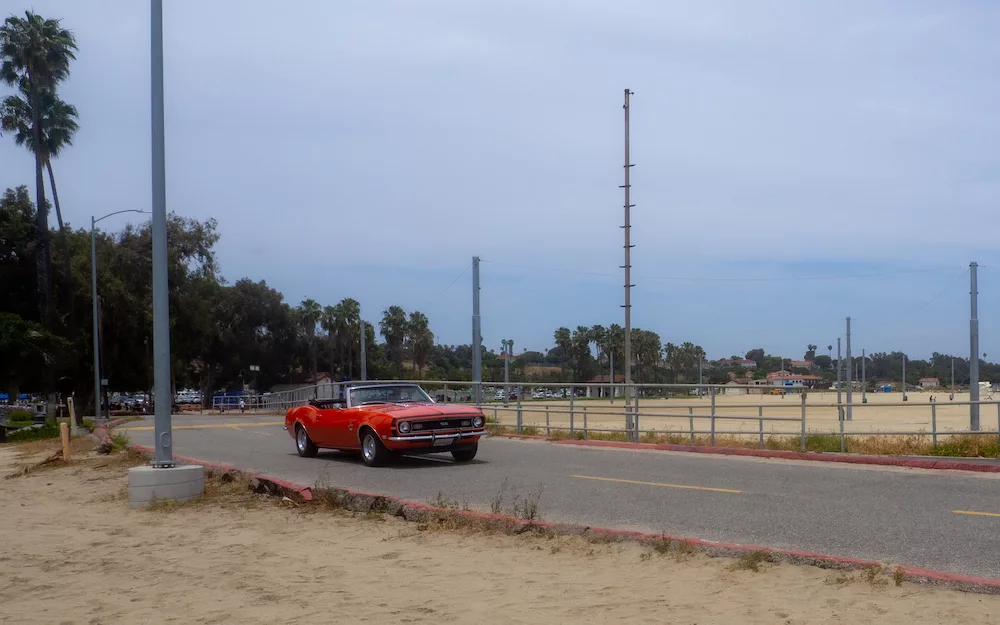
(802, 364)
(786, 379)
(603, 391)
(929, 382)
(733, 363)
(735, 388)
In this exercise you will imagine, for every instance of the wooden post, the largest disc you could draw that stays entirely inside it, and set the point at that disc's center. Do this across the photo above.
(71, 409)
(64, 432)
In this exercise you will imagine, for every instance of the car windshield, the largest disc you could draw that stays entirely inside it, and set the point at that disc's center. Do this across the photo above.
(394, 394)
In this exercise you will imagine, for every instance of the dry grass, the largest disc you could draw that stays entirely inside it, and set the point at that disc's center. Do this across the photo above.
(960, 445)
(751, 561)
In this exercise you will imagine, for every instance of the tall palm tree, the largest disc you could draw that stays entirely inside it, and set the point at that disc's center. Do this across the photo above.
(328, 322)
(35, 54)
(420, 338)
(348, 326)
(58, 127)
(393, 329)
(310, 314)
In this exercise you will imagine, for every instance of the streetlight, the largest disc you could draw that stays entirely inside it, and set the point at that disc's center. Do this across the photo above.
(93, 280)
(508, 351)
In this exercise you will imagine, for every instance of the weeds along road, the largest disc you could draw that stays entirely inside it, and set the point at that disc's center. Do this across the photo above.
(943, 520)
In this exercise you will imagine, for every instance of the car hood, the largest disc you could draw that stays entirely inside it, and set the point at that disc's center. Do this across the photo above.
(428, 410)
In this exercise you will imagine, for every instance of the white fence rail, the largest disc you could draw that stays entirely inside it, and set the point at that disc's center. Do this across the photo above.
(689, 410)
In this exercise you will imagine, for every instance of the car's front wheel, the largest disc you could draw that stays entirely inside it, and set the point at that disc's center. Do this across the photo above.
(373, 452)
(465, 455)
(304, 444)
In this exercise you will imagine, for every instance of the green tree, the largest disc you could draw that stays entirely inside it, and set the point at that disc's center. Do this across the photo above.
(59, 125)
(309, 315)
(810, 353)
(393, 329)
(347, 315)
(420, 339)
(35, 54)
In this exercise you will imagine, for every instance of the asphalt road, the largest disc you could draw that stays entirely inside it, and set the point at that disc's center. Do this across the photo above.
(935, 519)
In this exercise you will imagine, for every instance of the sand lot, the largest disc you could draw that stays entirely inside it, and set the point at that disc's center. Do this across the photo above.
(74, 553)
(882, 413)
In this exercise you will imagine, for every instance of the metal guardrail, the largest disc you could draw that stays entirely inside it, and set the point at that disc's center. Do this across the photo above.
(512, 399)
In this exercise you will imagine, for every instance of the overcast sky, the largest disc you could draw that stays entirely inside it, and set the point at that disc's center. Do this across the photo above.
(370, 149)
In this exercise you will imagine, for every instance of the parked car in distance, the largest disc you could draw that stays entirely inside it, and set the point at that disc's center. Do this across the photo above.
(386, 420)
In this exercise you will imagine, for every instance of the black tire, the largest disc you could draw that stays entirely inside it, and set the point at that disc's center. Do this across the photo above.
(304, 444)
(373, 452)
(465, 455)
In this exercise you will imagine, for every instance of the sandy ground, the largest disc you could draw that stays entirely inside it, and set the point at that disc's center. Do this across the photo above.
(878, 415)
(74, 553)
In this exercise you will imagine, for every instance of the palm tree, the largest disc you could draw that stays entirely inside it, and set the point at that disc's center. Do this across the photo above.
(420, 339)
(348, 325)
(59, 125)
(310, 314)
(393, 329)
(35, 54)
(328, 322)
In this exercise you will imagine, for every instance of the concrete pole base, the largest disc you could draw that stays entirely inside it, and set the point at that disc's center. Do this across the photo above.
(149, 484)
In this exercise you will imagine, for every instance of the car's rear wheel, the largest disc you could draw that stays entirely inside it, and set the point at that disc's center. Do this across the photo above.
(304, 444)
(465, 455)
(373, 452)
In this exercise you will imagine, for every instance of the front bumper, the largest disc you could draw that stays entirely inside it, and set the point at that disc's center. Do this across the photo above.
(417, 438)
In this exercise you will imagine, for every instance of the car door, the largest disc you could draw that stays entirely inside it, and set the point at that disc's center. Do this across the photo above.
(336, 428)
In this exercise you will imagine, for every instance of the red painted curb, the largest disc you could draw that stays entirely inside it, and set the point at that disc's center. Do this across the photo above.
(909, 571)
(812, 456)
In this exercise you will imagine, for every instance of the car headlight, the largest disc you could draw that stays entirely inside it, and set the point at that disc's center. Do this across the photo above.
(478, 422)
(404, 427)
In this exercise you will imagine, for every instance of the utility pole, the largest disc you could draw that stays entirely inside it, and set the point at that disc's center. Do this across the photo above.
(974, 350)
(840, 364)
(508, 350)
(628, 273)
(477, 337)
(952, 379)
(847, 371)
(612, 377)
(364, 354)
(864, 380)
(904, 377)
(163, 445)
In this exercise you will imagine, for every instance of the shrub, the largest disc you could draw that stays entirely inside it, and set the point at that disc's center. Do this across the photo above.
(20, 416)
(49, 430)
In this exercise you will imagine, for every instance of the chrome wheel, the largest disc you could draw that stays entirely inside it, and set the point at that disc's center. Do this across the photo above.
(300, 439)
(368, 448)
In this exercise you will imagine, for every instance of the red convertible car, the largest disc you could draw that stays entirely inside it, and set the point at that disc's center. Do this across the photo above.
(386, 420)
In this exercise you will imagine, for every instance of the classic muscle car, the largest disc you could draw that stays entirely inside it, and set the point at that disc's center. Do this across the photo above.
(385, 420)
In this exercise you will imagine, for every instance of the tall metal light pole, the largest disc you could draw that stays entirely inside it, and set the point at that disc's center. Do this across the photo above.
(952, 379)
(847, 370)
(864, 380)
(96, 313)
(477, 337)
(612, 377)
(628, 272)
(508, 350)
(163, 445)
(840, 365)
(364, 355)
(974, 350)
(904, 377)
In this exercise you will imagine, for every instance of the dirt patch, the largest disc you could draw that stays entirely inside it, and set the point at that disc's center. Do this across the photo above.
(79, 555)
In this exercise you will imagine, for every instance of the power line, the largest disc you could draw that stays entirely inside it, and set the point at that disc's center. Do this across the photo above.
(715, 279)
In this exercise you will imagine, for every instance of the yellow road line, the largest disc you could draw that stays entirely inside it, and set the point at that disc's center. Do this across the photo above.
(240, 428)
(208, 426)
(611, 479)
(974, 513)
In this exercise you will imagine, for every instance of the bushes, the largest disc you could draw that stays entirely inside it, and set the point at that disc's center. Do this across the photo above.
(49, 430)
(19, 416)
